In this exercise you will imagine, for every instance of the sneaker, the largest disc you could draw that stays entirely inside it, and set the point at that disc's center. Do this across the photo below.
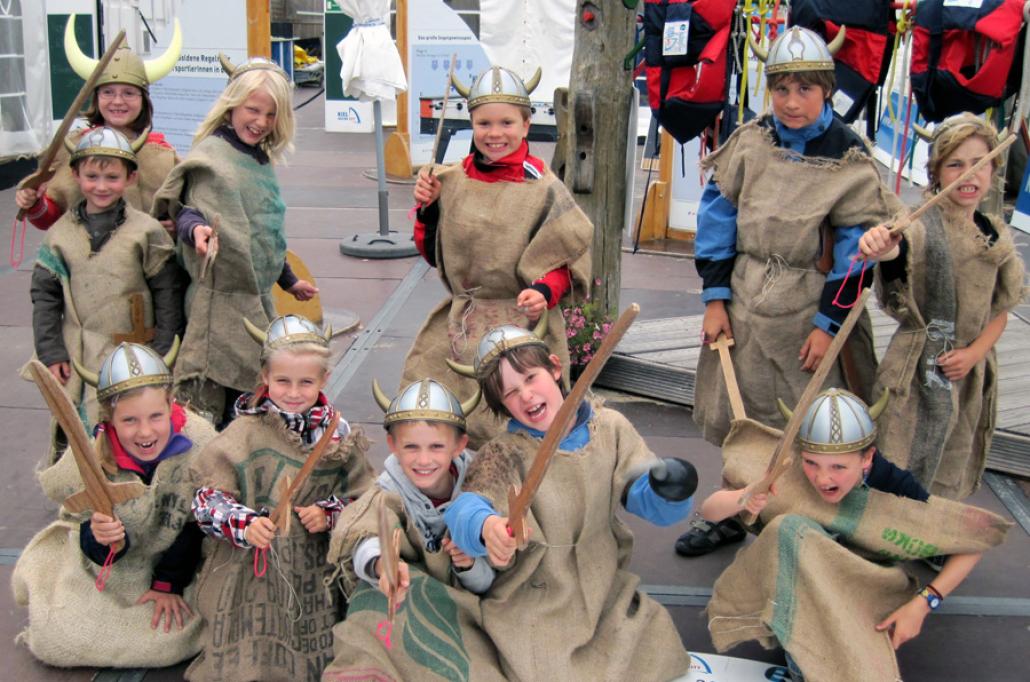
(704, 537)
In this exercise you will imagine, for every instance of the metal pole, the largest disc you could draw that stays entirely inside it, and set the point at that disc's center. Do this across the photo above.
(384, 201)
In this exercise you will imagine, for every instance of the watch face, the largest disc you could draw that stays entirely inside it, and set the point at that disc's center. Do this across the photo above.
(934, 602)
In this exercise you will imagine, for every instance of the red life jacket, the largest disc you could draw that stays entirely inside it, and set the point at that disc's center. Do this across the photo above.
(686, 85)
(963, 53)
(861, 64)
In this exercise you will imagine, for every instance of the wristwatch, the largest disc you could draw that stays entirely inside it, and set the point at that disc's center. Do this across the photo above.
(932, 597)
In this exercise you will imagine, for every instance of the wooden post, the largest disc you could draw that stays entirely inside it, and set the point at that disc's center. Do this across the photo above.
(655, 223)
(397, 150)
(600, 96)
(259, 28)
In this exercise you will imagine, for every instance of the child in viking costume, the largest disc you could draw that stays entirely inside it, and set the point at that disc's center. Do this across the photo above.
(276, 625)
(425, 427)
(831, 531)
(146, 440)
(950, 280)
(105, 272)
(226, 202)
(562, 607)
(505, 234)
(778, 224)
(120, 101)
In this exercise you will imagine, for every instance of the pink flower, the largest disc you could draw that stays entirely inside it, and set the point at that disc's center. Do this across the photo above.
(570, 332)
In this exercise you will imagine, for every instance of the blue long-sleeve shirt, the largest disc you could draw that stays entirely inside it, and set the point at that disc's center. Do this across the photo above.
(715, 246)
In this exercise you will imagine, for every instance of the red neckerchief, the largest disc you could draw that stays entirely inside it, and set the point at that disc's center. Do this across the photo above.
(437, 501)
(508, 169)
(123, 459)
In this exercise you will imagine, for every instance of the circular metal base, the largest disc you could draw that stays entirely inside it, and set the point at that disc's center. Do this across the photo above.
(373, 174)
(376, 245)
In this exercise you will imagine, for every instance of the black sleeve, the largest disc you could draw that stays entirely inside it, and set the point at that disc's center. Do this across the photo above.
(897, 269)
(94, 551)
(287, 278)
(178, 563)
(429, 217)
(47, 295)
(845, 291)
(167, 288)
(715, 273)
(885, 476)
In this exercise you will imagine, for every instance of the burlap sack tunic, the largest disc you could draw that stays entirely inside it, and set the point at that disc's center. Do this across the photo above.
(155, 161)
(71, 624)
(782, 199)
(988, 280)
(279, 626)
(820, 576)
(437, 633)
(568, 608)
(215, 178)
(493, 241)
(97, 288)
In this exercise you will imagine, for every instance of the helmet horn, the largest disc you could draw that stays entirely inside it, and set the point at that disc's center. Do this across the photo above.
(256, 333)
(876, 409)
(173, 353)
(759, 51)
(91, 378)
(838, 41)
(540, 330)
(787, 413)
(138, 143)
(458, 368)
(462, 89)
(226, 64)
(80, 63)
(159, 67)
(471, 403)
(922, 132)
(328, 333)
(69, 145)
(381, 399)
(533, 81)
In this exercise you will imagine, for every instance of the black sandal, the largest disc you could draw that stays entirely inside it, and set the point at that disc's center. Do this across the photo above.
(704, 536)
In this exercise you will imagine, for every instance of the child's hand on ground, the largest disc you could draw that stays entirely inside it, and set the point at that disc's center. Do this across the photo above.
(62, 371)
(167, 606)
(500, 545)
(107, 530)
(427, 188)
(814, 349)
(532, 303)
(260, 532)
(303, 290)
(202, 238)
(877, 243)
(957, 363)
(27, 197)
(403, 581)
(716, 321)
(458, 557)
(906, 622)
(313, 518)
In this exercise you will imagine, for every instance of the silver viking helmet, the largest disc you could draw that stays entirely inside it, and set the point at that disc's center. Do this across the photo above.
(497, 84)
(497, 341)
(837, 422)
(425, 400)
(251, 64)
(288, 330)
(798, 49)
(126, 66)
(129, 366)
(105, 141)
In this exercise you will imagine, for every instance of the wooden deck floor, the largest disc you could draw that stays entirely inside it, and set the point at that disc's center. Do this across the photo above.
(657, 359)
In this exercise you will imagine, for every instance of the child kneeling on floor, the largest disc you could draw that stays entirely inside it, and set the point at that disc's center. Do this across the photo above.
(149, 550)
(559, 608)
(830, 525)
(271, 617)
(425, 426)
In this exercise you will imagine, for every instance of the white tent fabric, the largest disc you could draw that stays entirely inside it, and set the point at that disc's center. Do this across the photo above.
(524, 34)
(25, 117)
(371, 65)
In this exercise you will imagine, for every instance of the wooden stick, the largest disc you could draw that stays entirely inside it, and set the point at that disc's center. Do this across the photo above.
(285, 506)
(208, 264)
(443, 114)
(781, 459)
(100, 494)
(43, 171)
(389, 558)
(520, 499)
(723, 345)
(902, 224)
